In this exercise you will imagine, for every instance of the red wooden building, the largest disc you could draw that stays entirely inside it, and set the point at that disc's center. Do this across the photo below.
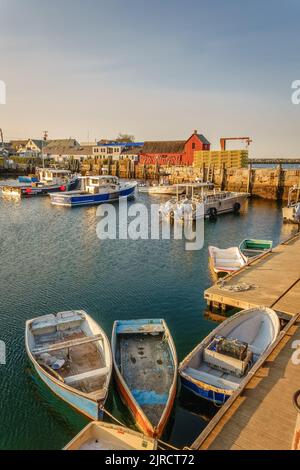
(173, 152)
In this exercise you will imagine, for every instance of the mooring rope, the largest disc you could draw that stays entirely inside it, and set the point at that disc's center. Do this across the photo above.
(165, 444)
(243, 286)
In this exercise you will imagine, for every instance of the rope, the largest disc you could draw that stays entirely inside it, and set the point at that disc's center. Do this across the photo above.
(159, 441)
(243, 286)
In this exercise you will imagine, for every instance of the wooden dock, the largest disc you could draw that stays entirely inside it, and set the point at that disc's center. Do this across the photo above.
(274, 279)
(261, 415)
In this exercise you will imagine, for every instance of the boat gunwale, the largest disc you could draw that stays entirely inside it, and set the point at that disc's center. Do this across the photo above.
(103, 424)
(158, 429)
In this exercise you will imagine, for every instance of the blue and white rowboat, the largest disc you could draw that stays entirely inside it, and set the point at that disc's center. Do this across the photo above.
(95, 190)
(218, 365)
(72, 355)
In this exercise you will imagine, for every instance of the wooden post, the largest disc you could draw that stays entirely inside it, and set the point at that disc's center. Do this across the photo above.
(249, 183)
(280, 182)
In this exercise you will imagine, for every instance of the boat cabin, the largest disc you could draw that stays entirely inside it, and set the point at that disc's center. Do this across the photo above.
(95, 184)
(52, 175)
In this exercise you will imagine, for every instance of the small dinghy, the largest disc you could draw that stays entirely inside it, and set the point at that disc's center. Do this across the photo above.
(105, 436)
(218, 365)
(145, 364)
(226, 261)
(251, 248)
(72, 355)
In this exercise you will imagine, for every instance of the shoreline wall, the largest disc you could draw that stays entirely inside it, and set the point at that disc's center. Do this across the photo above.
(268, 183)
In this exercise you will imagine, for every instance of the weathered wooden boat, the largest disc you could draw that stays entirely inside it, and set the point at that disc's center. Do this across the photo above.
(72, 355)
(291, 212)
(95, 190)
(49, 180)
(104, 436)
(226, 260)
(202, 201)
(251, 247)
(215, 369)
(145, 365)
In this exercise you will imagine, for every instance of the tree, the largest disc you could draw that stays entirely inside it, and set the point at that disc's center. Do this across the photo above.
(125, 138)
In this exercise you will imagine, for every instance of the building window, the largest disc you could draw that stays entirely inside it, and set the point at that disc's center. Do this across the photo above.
(193, 145)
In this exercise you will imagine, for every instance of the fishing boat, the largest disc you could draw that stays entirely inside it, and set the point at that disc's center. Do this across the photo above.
(48, 180)
(71, 354)
(202, 200)
(145, 365)
(291, 213)
(250, 248)
(95, 190)
(104, 436)
(226, 260)
(215, 369)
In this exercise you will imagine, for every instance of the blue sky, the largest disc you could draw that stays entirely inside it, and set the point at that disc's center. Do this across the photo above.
(156, 69)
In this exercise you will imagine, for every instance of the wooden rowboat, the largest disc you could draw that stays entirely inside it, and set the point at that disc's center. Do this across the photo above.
(251, 247)
(217, 366)
(227, 261)
(72, 355)
(104, 436)
(145, 364)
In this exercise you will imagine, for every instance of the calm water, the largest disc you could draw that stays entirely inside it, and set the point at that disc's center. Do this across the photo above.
(51, 260)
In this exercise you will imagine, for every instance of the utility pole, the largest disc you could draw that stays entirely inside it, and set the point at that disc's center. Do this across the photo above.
(45, 137)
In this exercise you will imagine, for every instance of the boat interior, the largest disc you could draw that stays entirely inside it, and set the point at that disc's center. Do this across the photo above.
(230, 258)
(109, 437)
(222, 369)
(146, 364)
(67, 348)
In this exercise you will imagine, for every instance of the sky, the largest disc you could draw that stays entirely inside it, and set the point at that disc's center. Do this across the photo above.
(157, 69)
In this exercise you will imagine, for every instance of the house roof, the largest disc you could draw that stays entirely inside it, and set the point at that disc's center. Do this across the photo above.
(15, 144)
(132, 151)
(60, 146)
(163, 146)
(203, 139)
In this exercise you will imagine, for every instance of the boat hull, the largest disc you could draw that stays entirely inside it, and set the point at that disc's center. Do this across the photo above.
(85, 199)
(203, 391)
(256, 327)
(31, 191)
(89, 408)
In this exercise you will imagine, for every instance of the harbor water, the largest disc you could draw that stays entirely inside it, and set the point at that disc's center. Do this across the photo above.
(52, 260)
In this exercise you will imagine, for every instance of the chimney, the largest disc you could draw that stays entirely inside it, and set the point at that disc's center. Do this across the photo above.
(195, 131)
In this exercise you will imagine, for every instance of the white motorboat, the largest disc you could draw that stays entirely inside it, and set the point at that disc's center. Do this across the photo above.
(202, 200)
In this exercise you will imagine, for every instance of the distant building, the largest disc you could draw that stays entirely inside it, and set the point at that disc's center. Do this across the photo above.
(113, 149)
(16, 145)
(173, 152)
(32, 148)
(60, 149)
(132, 154)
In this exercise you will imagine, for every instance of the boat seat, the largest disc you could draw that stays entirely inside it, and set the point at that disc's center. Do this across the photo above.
(68, 320)
(43, 325)
(228, 383)
(87, 375)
